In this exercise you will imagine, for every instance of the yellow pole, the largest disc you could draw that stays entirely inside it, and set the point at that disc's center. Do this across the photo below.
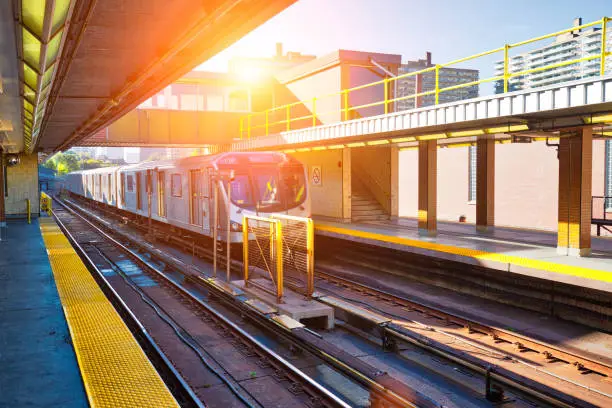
(28, 207)
(245, 248)
(602, 68)
(437, 72)
(279, 262)
(314, 112)
(346, 105)
(386, 85)
(310, 261)
(506, 71)
(287, 117)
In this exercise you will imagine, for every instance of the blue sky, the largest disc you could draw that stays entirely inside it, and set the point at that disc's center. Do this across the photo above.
(449, 29)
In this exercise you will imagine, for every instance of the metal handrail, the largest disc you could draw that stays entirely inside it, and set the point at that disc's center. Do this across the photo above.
(246, 122)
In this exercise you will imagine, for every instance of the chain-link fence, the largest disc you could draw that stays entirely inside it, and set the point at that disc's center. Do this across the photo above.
(263, 252)
(298, 251)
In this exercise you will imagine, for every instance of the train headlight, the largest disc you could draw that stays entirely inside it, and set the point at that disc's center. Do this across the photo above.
(235, 226)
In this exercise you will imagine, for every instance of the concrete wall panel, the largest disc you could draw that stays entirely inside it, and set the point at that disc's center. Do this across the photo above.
(326, 199)
(22, 183)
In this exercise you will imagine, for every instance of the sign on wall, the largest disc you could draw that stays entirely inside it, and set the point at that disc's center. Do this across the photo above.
(316, 176)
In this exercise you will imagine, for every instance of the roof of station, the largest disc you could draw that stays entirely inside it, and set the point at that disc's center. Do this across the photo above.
(78, 65)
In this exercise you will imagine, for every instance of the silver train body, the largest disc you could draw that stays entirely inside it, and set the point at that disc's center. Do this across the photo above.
(181, 192)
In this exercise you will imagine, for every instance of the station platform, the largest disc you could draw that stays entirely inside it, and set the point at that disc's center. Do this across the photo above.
(62, 343)
(526, 252)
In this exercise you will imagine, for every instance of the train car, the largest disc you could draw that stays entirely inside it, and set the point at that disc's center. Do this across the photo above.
(181, 192)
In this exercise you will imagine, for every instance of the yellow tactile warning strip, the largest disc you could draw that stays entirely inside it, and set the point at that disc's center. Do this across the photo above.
(115, 370)
(578, 271)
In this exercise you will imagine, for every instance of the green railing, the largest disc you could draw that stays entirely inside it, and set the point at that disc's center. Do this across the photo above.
(303, 114)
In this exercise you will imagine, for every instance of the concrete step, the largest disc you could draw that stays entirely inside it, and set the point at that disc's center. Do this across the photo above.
(370, 217)
(376, 211)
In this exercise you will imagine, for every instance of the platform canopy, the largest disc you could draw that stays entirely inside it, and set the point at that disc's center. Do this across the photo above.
(68, 68)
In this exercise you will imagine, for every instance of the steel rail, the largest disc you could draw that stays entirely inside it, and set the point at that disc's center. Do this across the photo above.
(378, 389)
(296, 373)
(522, 342)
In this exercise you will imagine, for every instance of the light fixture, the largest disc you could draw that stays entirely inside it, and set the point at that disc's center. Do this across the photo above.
(377, 142)
(464, 133)
(505, 129)
(303, 149)
(599, 119)
(356, 144)
(317, 148)
(433, 136)
(333, 147)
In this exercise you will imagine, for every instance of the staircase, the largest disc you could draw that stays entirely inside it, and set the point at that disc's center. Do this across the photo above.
(364, 207)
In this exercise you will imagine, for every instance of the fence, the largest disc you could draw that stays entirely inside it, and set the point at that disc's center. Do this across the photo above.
(298, 250)
(601, 212)
(263, 251)
(307, 113)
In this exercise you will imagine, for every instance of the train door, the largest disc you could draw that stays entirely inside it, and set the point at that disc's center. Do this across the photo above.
(196, 180)
(138, 191)
(122, 182)
(161, 194)
(110, 189)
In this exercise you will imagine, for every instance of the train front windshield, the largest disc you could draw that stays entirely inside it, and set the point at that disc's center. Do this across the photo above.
(270, 189)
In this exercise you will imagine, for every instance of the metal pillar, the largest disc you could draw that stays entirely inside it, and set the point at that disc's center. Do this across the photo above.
(428, 152)
(2, 192)
(485, 184)
(575, 180)
(346, 184)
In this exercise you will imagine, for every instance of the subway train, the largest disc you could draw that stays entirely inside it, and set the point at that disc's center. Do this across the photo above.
(182, 192)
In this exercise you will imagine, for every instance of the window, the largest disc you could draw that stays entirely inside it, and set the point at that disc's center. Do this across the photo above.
(472, 174)
(176, 187)
(130, 183)
(608, 187)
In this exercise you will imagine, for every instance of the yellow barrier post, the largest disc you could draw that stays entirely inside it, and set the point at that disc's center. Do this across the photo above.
(288, 117)
(346, 106)
(28, 210)
(386, 85)
(437, 73)
(604, 23)
(314, 112)
(249, 127)
(245, 249)
(506, 49)
(279, 260)
(310, 250)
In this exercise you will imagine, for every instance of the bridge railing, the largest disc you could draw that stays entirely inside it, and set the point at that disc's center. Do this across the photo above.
(384, 98)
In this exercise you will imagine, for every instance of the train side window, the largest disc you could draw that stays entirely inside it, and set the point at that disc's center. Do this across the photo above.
(122, 178)
(176, 187)
(130, 183)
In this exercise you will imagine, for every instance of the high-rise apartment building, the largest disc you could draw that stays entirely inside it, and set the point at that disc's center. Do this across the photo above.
(448, 77)
(569, 46)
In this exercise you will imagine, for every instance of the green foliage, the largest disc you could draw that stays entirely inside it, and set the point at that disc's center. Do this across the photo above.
(68, 162)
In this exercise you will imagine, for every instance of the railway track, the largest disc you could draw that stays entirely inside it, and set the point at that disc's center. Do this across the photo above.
(553, 373)
(398, 332)
(174, 308)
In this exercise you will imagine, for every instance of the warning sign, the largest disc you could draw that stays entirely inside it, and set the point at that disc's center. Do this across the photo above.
(317, 180)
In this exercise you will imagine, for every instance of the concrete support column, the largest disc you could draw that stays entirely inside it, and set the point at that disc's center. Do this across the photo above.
(485, 184)
(394, 196)
(428, 152)
(2, 206)
(346, 184)
(575, 179)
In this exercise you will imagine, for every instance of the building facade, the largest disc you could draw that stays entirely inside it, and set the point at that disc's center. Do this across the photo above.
(426, 82)
(569, 46)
